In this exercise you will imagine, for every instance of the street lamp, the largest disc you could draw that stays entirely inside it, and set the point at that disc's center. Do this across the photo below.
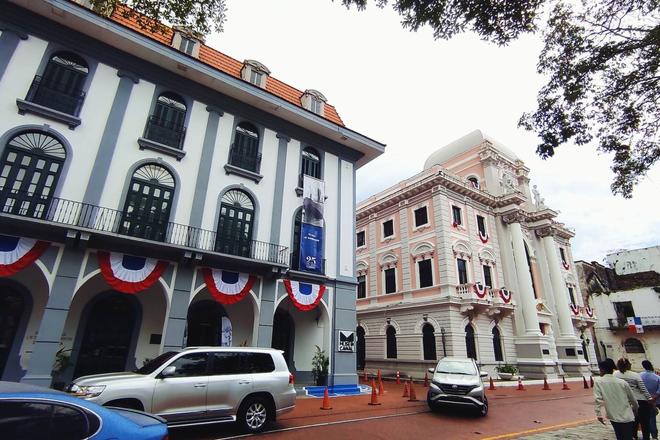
(444, 341)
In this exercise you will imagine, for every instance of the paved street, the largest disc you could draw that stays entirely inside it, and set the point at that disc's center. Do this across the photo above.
(513, 414)
(591, 431)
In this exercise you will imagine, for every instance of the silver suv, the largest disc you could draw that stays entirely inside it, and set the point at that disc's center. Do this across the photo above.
(457, 382)
(200, 385)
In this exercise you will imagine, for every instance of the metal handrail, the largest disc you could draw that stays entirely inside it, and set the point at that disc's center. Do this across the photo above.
(239, 159)
(45, 94)
(165, 132)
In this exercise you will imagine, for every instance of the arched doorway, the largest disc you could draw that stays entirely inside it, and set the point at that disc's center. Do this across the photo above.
(361, 349)
(111, 321)
(208, 325)
(283, 336)
(12, 308)
(470, 344)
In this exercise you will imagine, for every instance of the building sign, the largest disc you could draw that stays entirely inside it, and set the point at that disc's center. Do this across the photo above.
(313, 200)
(311, 231)
(346, 341)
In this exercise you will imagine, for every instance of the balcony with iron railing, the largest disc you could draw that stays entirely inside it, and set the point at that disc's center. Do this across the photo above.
(647, 323)
(107, 221)
(165, 132)
(52, 100)
(238, 158)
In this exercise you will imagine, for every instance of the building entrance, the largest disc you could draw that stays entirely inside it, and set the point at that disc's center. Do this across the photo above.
(12, 307)
(283, 336)
(208, 325)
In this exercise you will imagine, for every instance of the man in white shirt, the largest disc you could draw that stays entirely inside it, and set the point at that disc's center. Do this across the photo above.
(618, 399)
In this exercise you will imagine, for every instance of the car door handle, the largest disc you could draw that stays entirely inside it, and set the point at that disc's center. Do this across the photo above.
(199, 385)
(243, 382)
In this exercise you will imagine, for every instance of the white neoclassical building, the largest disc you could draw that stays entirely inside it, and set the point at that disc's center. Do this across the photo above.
(465, 259)
(151, 197)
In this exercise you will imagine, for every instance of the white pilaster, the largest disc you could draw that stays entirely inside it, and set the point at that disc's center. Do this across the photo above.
(558, 288)
(526, 291)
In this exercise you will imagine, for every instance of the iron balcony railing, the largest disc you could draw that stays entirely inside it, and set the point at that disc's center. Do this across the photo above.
(618, 323)
(83, 215)
(165, 132)
(239, 158)
(52, 96)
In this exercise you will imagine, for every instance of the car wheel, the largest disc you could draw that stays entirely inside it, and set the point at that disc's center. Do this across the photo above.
(483, 410)
(254, 414)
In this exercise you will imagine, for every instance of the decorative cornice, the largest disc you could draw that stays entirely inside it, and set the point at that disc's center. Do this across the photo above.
(16, 30)
(214, 109)
(130, 75)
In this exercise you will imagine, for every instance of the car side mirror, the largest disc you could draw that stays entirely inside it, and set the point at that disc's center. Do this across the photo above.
(168, 371)
(431, 370)
(483, 374)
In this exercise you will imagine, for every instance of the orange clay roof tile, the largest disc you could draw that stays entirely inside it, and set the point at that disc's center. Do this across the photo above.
(219, 61)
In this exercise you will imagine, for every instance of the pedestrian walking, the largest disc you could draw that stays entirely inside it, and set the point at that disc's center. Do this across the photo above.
(617, 397)
(652, 383)
(644, 399)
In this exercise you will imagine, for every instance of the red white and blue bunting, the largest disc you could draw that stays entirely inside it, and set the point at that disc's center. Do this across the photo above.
(505, 295)
(305, 296)
(575, 309)
(228, 287)
(130, 274)
(566, 265)
(589, 311)
(17, 253)
(483, 237)
(480, 290)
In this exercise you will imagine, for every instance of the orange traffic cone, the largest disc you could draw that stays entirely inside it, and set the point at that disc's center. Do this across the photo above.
(398, 379)
(564, 384)
(405, 389)
(381, 388)
(378, 378)
(546, 387)
(326, 399)
(413, 396)
(492, 385)
(584, 383)
(374, 397)
(591, 381)
(521, 387)
(426, 380)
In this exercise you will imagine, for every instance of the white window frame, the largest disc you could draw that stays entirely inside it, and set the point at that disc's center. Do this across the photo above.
(382, 230)
(460, 225)
(364, 231)
(486, 227)
(417, 227)
(396, 283)
(467, 271)
(418, 273)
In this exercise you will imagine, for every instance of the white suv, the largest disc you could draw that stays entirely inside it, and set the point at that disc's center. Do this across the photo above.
(200, 385)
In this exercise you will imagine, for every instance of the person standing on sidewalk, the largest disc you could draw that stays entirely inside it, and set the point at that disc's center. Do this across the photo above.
(618, 399)
(652, 383)
(640, 392)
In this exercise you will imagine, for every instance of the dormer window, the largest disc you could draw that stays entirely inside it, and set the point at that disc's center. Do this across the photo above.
(254, 72)
(186, 41)
(187, 45)
(314, 101)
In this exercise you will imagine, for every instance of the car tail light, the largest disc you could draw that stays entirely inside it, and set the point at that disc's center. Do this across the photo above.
(291, 379)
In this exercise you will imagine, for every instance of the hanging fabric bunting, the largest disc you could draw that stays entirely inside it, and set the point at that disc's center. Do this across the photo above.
(130, 274)
(227, 287)
(305, 296)
(483, 237)
(17, 253)
(505, 295)
(575, 309)
(566, 265)
(589, 311)
(480, 290)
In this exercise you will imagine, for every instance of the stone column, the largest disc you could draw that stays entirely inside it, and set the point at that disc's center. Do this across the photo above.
(526, 291)
(177, 319)
(558, 287)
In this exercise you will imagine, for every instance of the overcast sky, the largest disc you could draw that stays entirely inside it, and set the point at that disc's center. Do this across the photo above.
(416, 95)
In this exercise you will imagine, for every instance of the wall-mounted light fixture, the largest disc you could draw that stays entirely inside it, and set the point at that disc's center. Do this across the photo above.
(425, 316)
(388, 319)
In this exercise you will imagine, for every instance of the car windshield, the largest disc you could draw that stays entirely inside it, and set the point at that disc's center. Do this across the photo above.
(456, 367)
(153, 364)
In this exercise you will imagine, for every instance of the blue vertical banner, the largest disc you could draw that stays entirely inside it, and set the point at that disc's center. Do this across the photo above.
(311, 248)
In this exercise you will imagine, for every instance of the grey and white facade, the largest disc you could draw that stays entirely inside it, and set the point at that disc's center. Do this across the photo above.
(115, 139)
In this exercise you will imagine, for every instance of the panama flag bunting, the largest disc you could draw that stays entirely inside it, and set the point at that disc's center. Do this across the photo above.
(480, 290)
(227, 287)
(305, 296)
(130, 274)
(17, 253)
(635, 324)
(505, 295)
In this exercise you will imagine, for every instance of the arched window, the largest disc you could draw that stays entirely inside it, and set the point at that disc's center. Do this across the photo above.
(61, 85)
(584, 348)
(245, 151)
(469, 342)
(311, 163)
(295, 249)
(31, 166)
(234, 234)
(531, 272)
(148, 203)
(428, 341)
(633, 345)
(391, 342)
(474, 181)
(497, 345)
(165, 125)
(361, 349)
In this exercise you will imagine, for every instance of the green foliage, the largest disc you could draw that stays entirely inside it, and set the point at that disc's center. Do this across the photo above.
(62, 359)
(601, 58)
(320, 363)
(506, 368)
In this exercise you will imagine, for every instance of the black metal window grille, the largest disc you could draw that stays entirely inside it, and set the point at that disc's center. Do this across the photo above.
(425, 273)
(462, 271)
(391, 342)
(428, 342)
(311, 163)
(390, 280)
(481, 224)
(421, 216)
(360, 239)
(166, 124)
(295, 249)
(456, 214)
(148, 203)
(61, 85)
(488, 280)
(388, 228)
(235, 224)
(470, 343)
(497, 345)
(31, 166)
(362, 286)
(245, 151)
(531, 272)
